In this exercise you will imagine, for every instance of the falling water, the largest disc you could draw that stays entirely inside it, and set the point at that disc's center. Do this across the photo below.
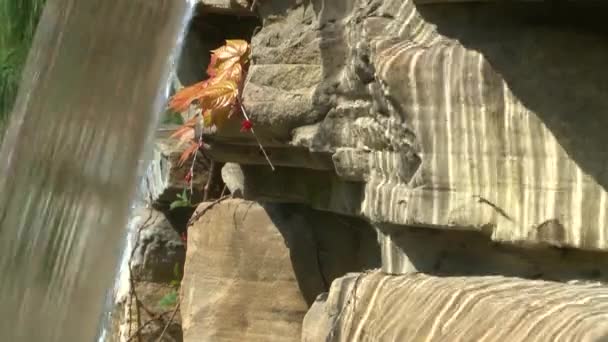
(89, 101)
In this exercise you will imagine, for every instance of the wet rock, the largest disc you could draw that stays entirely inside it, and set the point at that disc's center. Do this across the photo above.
(160, 252)
(167, 178)
(154, 313)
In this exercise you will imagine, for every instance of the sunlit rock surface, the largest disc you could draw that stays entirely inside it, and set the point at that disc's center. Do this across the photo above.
(252, 270)
(379, 307)
(480, 117)
(470, 139)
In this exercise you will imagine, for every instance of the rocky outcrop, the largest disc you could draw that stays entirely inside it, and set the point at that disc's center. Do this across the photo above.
(468, 137)
(379, 307)
(408, 115)
(252, 270)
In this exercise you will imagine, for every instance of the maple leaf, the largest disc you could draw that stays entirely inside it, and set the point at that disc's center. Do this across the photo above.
(184, 97)
(235, 51)
(190, 150)
(220, 95)
(185, 132)
(216, 117)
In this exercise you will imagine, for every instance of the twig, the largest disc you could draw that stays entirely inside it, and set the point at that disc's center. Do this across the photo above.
(132, 292)
(148, 322)
(256, 137)
(169, 322)
(200, 143)
(198, 215)
(253, 5)
(209, 181)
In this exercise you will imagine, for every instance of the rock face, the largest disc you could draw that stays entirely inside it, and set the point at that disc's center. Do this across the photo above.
(166, 177)
(251, 270)
(378, 307)
(156, 265)
(412, 115)
(465, 139)
(159, 252)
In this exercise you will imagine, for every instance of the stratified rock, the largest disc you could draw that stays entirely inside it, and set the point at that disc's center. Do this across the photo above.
(443, 116)
(418, 307)
(159, 253)
(250, 270)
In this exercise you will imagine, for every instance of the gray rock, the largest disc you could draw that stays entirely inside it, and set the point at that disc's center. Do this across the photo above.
(159, 253)
(166, 178)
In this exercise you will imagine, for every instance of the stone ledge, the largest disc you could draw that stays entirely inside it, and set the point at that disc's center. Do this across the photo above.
(421, 307)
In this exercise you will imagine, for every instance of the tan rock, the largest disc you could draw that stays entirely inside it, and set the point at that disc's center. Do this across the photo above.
(251, 269)
(418, 307)
(239, 284)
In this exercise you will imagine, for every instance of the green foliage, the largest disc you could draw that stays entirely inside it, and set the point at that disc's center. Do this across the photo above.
(181, 201)
(170, 299)
(18, 21)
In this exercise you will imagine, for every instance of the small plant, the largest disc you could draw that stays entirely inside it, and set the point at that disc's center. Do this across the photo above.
(215, 100)
(182, 201)
(170, 299)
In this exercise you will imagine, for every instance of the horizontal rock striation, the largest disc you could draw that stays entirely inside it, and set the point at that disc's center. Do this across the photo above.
(465, 141)
(378, 307)
(439, 121)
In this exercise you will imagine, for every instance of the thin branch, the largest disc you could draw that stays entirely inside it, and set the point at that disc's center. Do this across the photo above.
(168, 323)
(209, 182)
(198, 215)
(256, 137)
(148, 322)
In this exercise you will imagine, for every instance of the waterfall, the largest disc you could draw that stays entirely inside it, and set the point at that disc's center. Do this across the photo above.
(89, 101)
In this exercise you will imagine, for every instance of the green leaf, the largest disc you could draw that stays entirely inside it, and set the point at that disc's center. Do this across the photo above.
(170, 299)
(179, 204)
(182, 201)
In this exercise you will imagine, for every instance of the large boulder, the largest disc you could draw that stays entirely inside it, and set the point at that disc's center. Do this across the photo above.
(251, 270)
(378, 307)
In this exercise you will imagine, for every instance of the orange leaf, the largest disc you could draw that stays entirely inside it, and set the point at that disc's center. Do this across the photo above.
(190, 150)
(184, 97)
(219, 95)
(215, 117)
(234, 73)
(185, 132)
(235, 51)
